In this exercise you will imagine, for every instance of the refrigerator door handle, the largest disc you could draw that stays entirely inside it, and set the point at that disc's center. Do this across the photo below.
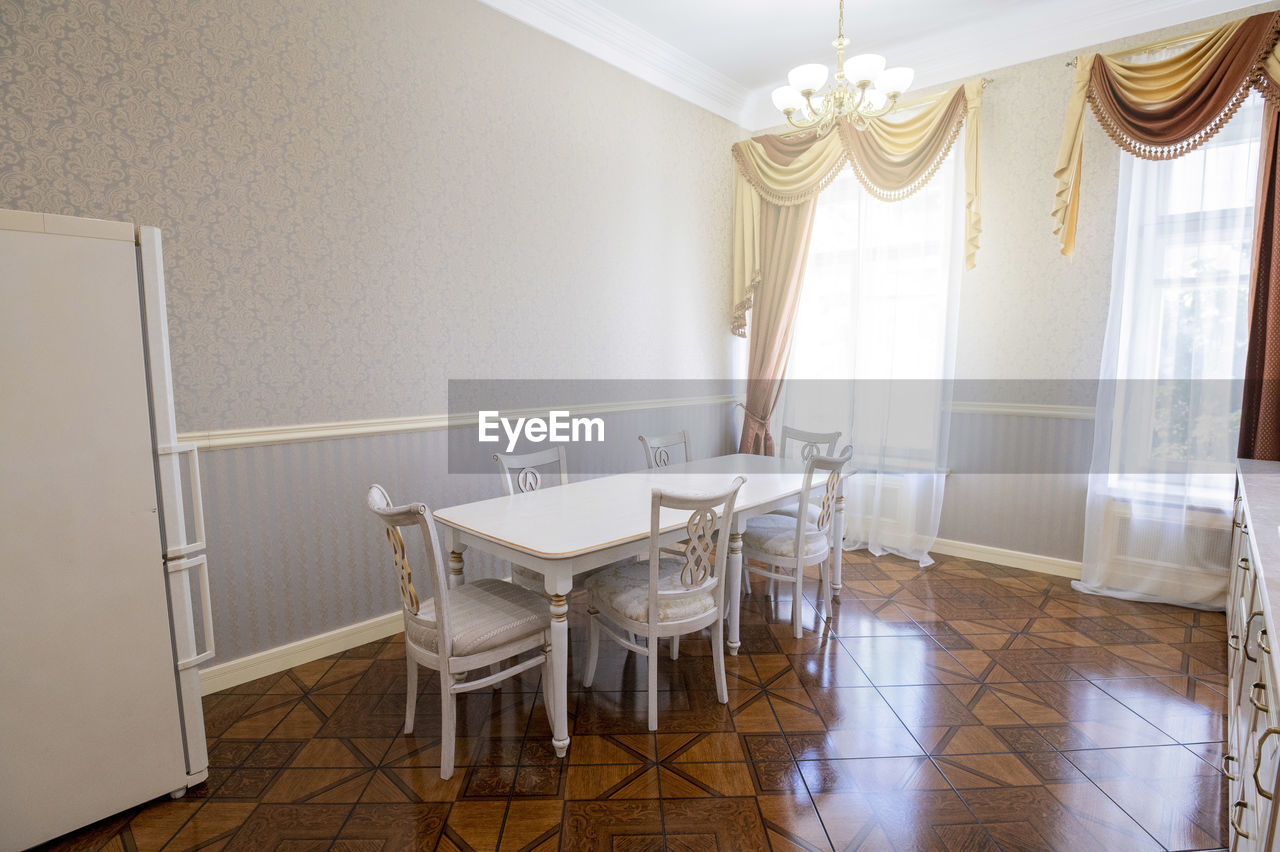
(188, 449)
(202, 563)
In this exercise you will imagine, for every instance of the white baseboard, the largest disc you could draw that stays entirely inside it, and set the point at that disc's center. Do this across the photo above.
(1011, 558)
(235, 672)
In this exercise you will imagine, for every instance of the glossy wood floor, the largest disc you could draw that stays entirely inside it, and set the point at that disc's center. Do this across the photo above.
(962, 707)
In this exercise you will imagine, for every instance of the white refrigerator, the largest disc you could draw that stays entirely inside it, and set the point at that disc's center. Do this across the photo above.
(104, 604)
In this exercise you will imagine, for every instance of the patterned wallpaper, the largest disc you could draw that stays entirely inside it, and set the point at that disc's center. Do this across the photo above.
(362, 199)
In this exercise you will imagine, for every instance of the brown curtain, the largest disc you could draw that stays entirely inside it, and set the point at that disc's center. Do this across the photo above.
(784, 245)
(1260, 413)
(1154, 111)
(1160, 110)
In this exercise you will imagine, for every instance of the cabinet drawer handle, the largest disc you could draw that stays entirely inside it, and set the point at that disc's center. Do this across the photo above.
(1248, 628)
(1233, 641)
(1227, 760)
(1262, 642)
(1243, 563)
(1257, 765)
(1235, 809)
(1262, 706)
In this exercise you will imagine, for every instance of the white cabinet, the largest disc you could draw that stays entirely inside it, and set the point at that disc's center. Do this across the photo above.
(1252, 759)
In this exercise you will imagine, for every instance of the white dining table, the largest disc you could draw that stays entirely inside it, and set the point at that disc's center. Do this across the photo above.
(570, 529)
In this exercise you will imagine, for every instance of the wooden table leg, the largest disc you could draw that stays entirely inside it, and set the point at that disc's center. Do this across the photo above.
(559, 589)
(455, 567)
(735, 578)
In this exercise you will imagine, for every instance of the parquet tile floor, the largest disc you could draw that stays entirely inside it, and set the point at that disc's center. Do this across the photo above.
(963, 706)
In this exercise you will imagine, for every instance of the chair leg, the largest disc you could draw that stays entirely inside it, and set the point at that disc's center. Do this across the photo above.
(652, 653)
(675, 647)
(593, 645)
(797, 629)
(411, 692)
(717, 660)
(826, 585)
(770, 589)
(448, 722)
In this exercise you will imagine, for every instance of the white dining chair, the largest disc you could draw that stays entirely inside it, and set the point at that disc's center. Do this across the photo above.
(803, 445)
(789, 544)
(658, 450)
(520, 474)
(474, 626)
(806, 444)
(679, 590)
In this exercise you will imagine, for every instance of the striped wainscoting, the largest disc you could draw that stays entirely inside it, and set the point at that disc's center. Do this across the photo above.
(1019, 475)
(299, 567)
(294, 554)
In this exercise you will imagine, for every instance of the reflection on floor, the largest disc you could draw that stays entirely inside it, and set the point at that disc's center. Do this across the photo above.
(962, 706)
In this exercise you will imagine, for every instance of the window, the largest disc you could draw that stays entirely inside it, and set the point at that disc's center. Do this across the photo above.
(876, 309)
(1183, 242)
(873, 351)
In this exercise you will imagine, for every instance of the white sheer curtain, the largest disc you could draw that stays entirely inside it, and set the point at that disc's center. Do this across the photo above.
(1158, 517)
(874, 352)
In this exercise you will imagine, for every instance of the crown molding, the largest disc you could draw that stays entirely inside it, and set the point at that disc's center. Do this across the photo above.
(1022, 35)
(622, 44)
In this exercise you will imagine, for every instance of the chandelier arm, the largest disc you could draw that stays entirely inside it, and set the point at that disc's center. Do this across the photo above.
(884, 110)
(800, 125)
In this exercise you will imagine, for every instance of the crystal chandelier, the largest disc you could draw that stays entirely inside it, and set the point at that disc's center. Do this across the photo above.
(863, 89)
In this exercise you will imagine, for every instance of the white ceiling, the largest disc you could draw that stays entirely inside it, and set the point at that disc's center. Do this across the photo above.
(728, 55)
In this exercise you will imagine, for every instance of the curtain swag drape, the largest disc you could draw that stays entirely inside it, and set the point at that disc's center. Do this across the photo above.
(778, 179)
(1161, 110)
(891, 159)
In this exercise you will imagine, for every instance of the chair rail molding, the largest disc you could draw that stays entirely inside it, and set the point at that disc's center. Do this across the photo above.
(1020, 409)
(263, 435)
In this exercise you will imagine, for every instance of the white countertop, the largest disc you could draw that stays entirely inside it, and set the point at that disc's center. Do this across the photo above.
(1260, 486)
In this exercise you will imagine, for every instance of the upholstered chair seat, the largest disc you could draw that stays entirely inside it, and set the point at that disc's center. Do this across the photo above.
(776, 535)
(486, 614)
(625, 589)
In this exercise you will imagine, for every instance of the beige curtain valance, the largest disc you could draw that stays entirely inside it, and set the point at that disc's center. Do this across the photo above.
(891, 158)
(1160, 110)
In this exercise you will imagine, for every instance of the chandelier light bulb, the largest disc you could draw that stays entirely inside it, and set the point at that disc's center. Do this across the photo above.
(895, 81)
(808, 78)
(863, 68)
(785, 98)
